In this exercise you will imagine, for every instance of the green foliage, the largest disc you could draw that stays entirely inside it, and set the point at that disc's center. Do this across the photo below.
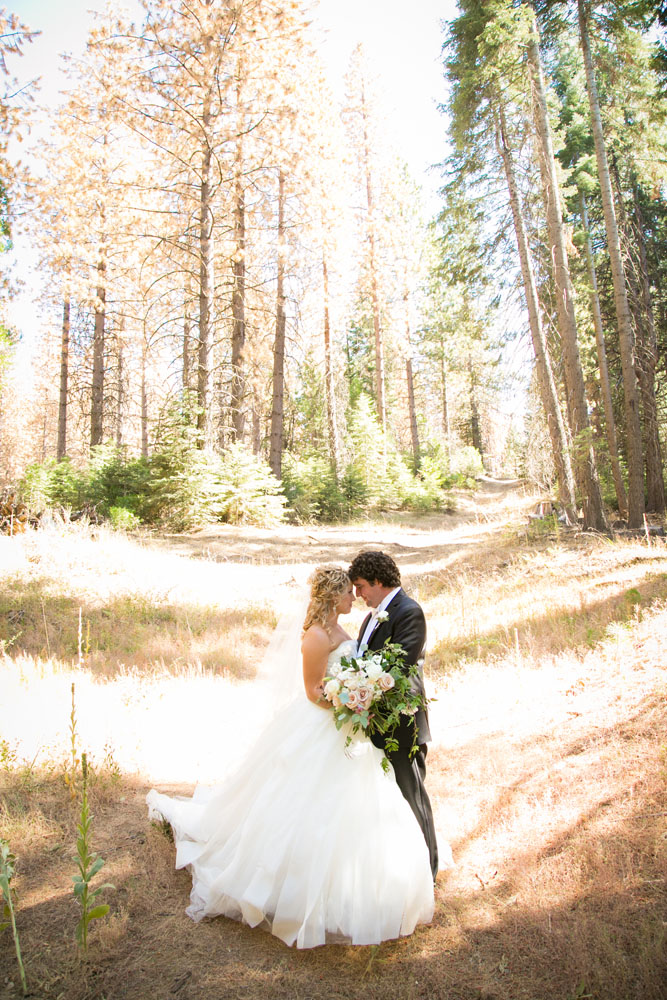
(122, 519)
(312, 492)
(181, 485)
(467, 462)
(89, 865)
(7, 342)
(7, 867)
(376, 478)
(50, 484)
(247, 490)
(114, 480)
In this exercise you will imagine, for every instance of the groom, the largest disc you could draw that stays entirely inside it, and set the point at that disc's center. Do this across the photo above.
(395, 617)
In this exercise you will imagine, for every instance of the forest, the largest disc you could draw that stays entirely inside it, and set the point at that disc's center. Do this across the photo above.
(251, 315)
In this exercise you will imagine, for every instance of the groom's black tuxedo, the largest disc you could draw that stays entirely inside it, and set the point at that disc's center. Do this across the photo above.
(406, 626)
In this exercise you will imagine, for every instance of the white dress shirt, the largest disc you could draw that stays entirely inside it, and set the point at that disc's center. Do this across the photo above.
(372, 621)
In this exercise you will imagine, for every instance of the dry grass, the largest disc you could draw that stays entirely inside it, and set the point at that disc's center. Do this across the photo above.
(549, 774)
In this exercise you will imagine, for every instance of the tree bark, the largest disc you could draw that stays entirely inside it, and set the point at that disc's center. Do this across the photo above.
(144, 403)
(445, 407)
(633, 253)
(380, 395)
(278, 408)
(119, 396)
(647, 362)
(409, 378)
(584, 457)
(97, 401)
(334, 450)
(622, 308)
(187, 331)
(61, 449)
(605, 386)
(206, 285)
(475, 428)
(238, 304)
(545, 378)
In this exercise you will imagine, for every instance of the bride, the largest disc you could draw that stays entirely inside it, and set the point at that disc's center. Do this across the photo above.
(308, 838)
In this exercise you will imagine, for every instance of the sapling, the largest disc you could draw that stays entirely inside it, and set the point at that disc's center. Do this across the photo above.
(70, 777)
(89, 865)
(7, 861)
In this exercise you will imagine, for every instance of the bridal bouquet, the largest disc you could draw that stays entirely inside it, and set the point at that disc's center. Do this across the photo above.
(372, 692)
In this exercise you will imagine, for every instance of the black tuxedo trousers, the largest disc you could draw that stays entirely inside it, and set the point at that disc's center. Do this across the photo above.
(406, 625)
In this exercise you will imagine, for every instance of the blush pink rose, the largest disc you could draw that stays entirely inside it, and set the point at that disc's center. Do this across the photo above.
(353, 700)
(386, 682)
(365, 697)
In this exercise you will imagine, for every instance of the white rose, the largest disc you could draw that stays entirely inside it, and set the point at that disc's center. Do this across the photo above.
(373, 671)
(386, 682)
(353, 682)
(382, 616)
(331, 688)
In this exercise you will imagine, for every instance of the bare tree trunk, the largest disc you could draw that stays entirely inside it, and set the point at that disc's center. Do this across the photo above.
(278, 408)
(144, 403)
(445, 407)
(329, 374)
(206, 289)
(238, 304)
(648, 358)
(633, 253)
(409, 378)
(605, 386)
(623, 318)
(584, 465)
(119, 396)
(545, 378)
(97, 402)
(187, 337)
(375, 296)
(256, 425)
(475, 428)
(61, 449)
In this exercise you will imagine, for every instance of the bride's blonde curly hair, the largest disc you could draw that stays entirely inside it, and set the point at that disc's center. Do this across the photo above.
(327, 584)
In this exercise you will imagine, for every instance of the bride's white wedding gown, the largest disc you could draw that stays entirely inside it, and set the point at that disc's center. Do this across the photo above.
(309, 839)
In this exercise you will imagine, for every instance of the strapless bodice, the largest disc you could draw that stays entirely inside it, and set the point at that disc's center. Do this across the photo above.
(348, 647)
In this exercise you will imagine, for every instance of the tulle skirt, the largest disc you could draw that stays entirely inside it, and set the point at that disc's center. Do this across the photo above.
(308, 838)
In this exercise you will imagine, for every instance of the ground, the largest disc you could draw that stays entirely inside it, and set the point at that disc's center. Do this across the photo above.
(548, 771)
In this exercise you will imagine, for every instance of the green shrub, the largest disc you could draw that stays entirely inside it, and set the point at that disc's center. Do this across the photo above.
(123, 519)
(246, 491)
(312, 491)
(51, 483)
(467, 462)
(114, 480)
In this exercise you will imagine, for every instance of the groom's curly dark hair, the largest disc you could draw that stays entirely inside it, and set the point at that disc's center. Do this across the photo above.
(375, 567)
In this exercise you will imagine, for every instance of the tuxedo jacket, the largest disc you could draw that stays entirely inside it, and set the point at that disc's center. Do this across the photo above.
(406, 626)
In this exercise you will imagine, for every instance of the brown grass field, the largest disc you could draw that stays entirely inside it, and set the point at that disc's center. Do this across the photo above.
(548, 772)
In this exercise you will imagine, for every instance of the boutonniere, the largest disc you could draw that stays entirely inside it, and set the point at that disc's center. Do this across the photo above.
(382, 616)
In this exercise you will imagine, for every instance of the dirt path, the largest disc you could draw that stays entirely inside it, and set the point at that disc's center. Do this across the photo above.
(419, 544)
